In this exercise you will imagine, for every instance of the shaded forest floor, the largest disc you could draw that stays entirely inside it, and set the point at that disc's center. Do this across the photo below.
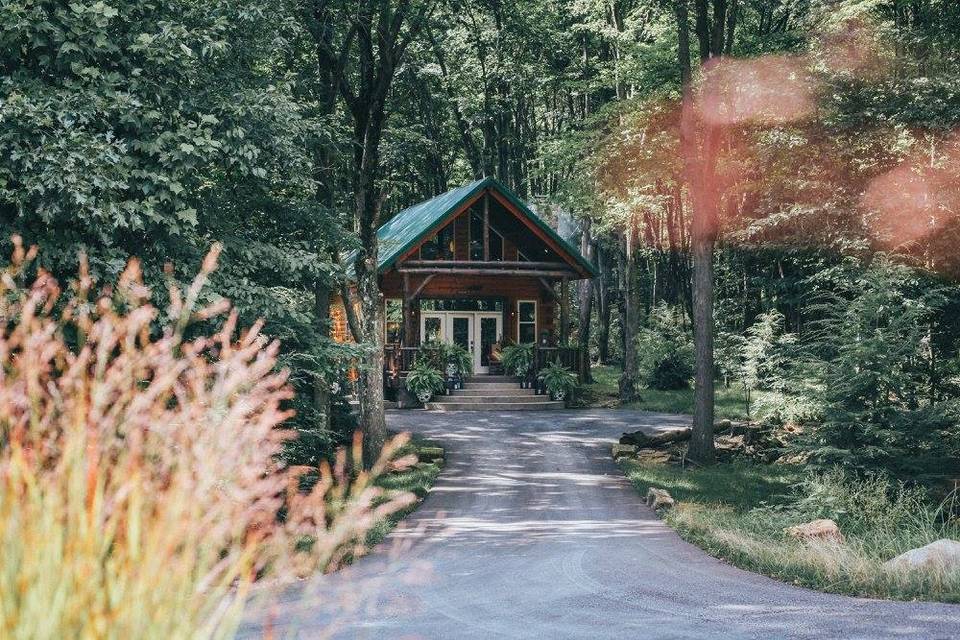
(604, 392)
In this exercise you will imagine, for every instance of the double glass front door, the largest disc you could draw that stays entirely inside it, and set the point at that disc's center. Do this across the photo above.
(476, 331)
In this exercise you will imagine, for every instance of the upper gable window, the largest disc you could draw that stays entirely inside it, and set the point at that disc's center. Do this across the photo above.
(440, 246)
(476, 240)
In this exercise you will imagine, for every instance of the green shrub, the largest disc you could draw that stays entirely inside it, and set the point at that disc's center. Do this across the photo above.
(875, 354)
(664, 351)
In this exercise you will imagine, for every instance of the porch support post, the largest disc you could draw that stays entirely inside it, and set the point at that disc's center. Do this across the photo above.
(564, 312)
(409, 329)
(486, 227)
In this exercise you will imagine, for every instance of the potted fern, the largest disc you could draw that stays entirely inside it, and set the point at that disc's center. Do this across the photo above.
(558, 380)
(459, 362)
(424, 380)
(518, 359)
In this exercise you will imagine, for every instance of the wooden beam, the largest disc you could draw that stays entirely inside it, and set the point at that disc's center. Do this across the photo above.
(507, 264)
(533, 273)
(548, 287)
(486, 225)
(419, 290)
(564, 312)
(409, 328)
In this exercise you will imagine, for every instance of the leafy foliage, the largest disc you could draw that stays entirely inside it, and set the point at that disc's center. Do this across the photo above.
(424, 379)
(875, 346)
(665, 351)
(558, 380)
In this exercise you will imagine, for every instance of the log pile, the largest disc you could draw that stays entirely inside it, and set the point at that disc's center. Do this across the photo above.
(762, 442)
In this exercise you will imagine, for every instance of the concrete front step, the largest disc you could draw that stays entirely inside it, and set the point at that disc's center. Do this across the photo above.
(488, 398)
(483, 391)
(492, 379)
(492, 386)
(542, 405)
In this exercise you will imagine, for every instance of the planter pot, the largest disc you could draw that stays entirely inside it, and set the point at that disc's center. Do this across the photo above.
(558, 395)
(424, 397)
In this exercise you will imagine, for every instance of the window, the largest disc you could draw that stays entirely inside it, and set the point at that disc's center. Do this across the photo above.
(476, 239)
(526, 321)
(440, 246)
(496, 246)
(393, 316)
(476, 236)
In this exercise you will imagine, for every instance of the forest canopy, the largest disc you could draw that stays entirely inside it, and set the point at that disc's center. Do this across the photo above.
(793, 163)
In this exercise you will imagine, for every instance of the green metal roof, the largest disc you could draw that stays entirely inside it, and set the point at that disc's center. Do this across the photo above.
(406, 229)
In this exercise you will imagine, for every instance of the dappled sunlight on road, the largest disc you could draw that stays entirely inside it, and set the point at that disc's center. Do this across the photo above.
(533, 532)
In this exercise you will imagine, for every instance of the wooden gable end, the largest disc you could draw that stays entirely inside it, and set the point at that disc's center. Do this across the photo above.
(523, 239)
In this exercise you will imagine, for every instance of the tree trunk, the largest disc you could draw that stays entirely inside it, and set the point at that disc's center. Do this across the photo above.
(603, 306)
(682, 11)
(701, 441)
(586, 302)
(630, 320)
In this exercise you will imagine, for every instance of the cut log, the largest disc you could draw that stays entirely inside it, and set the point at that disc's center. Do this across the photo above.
(642, 440)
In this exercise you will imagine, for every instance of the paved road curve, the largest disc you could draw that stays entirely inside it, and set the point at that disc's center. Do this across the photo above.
(532, 532)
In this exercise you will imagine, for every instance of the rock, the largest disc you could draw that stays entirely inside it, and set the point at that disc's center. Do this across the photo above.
(942, 555)
(823, 530)
(658, 499)
(644, 441)
(722, 425)
(623, 450)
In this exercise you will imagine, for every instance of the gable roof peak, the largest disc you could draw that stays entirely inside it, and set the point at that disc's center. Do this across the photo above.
(410, 226)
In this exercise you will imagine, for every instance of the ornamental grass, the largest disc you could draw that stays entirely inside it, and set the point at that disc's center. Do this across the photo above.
(142, 491)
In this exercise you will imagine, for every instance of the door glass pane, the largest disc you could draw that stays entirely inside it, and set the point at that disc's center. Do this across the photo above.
(488, 337)
(432, 329)
(461, 332)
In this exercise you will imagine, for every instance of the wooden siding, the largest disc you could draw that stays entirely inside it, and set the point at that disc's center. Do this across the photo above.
(508, 288)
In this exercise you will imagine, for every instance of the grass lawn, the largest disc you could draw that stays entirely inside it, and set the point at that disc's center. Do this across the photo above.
(417, 480)
(738, 512)
(604, 392)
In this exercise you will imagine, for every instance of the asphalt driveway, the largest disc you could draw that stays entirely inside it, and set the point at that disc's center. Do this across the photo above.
(533, 532)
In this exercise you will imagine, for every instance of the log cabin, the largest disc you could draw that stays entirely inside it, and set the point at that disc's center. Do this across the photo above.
(477, 267)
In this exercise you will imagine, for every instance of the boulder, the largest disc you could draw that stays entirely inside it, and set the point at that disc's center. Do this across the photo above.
(658, 499)
(942, 555)
(823, 530)
(623, 450)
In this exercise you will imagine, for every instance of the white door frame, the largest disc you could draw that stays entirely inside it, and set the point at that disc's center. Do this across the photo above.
(479, 316)
(446, 319)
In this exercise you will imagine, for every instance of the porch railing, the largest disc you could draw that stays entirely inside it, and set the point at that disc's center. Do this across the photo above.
(399, 359)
